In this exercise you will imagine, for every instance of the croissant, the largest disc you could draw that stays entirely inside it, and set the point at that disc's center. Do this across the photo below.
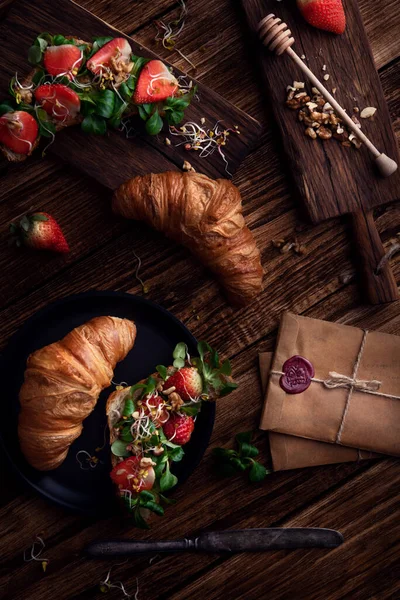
(62, 384)
(203, 214)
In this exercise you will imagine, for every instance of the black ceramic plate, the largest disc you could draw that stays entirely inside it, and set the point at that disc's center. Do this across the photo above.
(90, 491)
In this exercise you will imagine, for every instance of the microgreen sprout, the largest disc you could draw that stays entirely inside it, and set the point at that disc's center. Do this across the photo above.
(106, 584)
(168, 32)
(90, 461)
(145, 288)
(204, 140)
(36, 555)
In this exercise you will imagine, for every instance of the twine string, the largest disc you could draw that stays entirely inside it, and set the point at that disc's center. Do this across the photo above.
(337, 380)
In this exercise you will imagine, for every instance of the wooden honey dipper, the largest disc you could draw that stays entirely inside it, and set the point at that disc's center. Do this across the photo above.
(277, 37)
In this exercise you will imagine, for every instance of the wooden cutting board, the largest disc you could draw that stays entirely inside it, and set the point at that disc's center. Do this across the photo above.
(332, 179)
(113, 159)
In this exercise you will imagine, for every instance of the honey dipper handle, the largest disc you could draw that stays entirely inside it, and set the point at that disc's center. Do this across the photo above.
(328, 96)
(379, 287)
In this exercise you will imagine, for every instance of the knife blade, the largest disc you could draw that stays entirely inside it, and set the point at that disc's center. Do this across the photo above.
(245, 540)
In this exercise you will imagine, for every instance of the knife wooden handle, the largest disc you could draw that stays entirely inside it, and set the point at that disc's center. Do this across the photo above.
(247, 540)
(380, 287)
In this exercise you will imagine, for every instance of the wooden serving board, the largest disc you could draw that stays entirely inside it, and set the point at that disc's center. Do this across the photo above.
(113, 159)
(332, 179)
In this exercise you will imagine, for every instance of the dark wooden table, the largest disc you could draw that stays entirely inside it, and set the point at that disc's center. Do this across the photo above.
(362, 500)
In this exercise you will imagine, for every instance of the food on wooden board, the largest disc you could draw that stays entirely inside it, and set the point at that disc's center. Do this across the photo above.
(62, 384)
(41, 231)
(18, 134)
(99, 84)
(319, 118)
(150, 422)
(324, 14)
(203, 214)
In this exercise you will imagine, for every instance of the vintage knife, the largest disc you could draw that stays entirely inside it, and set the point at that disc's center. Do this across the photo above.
(245, 540)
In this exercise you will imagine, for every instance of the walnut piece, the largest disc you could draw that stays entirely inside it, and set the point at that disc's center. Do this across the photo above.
(175, 400)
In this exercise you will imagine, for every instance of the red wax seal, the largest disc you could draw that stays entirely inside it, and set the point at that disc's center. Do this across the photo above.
(297, 374)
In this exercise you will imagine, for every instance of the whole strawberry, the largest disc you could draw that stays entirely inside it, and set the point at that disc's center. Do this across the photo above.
(324, 14)
(187, 382)
(178, 428)
(41, 231)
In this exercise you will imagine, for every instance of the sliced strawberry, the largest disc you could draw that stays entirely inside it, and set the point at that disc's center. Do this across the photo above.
(155, 408)
(62, 60)
(155, 83)
(109, 55)
(59, 101)
(131, 474)
(18, 131)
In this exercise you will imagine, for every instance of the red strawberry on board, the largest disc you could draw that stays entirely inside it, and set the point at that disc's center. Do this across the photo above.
(116, 50)
(18, 131)
(178, 428)
(187, 382)
(155, 83)
(62, 60)
(59, 101)
(40, 231)
(324, 14)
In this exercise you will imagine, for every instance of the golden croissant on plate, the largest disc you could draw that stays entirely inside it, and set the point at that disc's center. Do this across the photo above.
(62, 384)
(203, 214)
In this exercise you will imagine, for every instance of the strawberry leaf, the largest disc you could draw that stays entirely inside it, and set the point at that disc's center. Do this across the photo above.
(226, 368)
(228, 387)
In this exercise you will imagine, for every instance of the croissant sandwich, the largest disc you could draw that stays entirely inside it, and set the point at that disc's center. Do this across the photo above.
(62, 384)
(150, 422)
(203, 214)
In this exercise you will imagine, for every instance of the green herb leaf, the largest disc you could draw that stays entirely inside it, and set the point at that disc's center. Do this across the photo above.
(129, 407)
(226, 368)
(166, 500)
(238, 464)
(7, 106)
(118, 448)
(227, 388)
(174, 117)
(176, 454)
(203, 348)
(105, 102)
(154, 124)
(257, 472)
(180, 350)
(223, 453)
(162, 371)
(38, 76)
(94, 124)
(154, 507)
(244, 437)
(146, 496)
(35, 55)
(247, 450)
(126, 435)
(139, 521)
(125, 91)
(191, 409)
(168, 480)
(138, 64)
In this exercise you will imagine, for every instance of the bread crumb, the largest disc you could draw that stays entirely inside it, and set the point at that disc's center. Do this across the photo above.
(326, 76)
